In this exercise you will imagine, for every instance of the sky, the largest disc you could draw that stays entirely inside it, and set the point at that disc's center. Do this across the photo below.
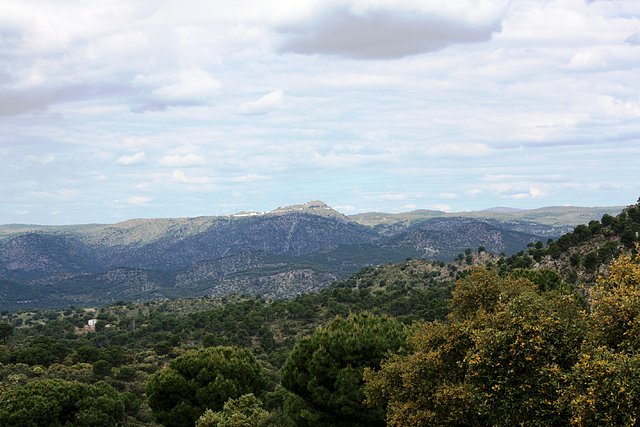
(121, 109)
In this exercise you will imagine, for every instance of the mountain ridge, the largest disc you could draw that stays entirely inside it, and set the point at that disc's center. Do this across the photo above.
(295, 249)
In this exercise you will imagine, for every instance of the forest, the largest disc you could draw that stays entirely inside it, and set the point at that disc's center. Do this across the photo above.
(547, 337)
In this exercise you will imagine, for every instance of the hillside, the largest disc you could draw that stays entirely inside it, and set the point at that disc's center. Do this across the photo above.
(580, 255)
(493, 317)
(555, 216)
(286, 252)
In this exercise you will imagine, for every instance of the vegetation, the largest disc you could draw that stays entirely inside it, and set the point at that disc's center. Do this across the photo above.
(54, 402)
(512, 343)
(325, 369)
(200, 380)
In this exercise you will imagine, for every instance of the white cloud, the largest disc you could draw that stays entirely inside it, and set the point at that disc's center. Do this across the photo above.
(64, 194)
(393, 197)
(544, 94)
(516, 192)
(589, 59)
(187, 86)
(247, 178)
(134, 159)
(179, 176)
(264, 105)
(139, 200)
(177, 160)
(456, 149)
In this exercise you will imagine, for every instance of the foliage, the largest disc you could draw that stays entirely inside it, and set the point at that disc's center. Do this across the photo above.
(325, 369)
(605, 389)
(521, 355)
(5, 331)
(245, 411)
(504, 362)
(61, 403)
(426, 385)
(203, 379)
(615, 306)
(606, 380)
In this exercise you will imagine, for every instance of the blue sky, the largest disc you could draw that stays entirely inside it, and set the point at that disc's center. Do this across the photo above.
(117, 109)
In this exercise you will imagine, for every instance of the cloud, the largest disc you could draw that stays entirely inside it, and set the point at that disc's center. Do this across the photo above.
(633, 39)
(187, 86)
(522, 193)
(180, 177)
(442, 207)
(393, 197)
(131, 160)
(22, 99)
(471, 149)
(264, 105)
(176, 160)
(383, 30)
(589, 59)
(64, 194)
(248, 178)
(139, 200)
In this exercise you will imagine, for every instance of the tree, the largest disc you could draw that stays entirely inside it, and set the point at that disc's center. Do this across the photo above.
(203, 379)
(325, 370)
(479, 290)
(615, 306)
(606, 380)
(521, 357)
(245, 411)
(503, 358)
(5, 331)
(41, 350)
(55, 402)
(426, 385)
(604, 389)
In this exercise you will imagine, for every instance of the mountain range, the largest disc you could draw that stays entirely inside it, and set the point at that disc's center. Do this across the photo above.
(288, 251)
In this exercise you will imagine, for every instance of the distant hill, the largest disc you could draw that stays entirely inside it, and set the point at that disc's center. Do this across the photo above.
(291, 250)
(561, 217)
(584, 252)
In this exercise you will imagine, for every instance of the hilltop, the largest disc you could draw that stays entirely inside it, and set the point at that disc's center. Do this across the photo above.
(288, 251)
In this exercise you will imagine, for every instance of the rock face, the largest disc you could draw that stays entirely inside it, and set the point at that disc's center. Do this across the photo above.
(293, 249)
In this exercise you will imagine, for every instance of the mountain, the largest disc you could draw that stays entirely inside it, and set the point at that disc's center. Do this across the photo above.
(583, 253)
(288, 251)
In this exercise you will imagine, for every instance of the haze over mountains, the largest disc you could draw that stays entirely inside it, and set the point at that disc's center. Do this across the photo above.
(284, 252)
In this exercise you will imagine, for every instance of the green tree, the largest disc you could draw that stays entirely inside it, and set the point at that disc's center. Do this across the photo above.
(203, 379)
(41, 350)
(245, 411)
(54, 402)
(325, 370)
(102, 368)
(5, 331)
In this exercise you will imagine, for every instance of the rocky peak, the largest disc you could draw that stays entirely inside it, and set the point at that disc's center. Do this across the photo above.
(315, 207)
